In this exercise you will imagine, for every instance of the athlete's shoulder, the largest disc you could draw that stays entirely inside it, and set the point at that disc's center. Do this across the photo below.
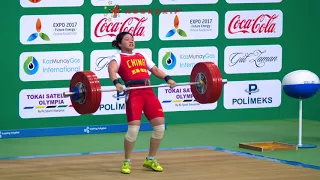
(115, 55)
(148, 59)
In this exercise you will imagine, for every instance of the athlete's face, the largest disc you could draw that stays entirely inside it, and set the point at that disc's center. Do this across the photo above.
(127, 43)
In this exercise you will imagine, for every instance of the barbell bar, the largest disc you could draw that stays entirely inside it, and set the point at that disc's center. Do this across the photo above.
(86, 93)
(67, 94)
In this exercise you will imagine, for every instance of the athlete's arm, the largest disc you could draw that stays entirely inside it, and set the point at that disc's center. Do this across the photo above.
(153, 68)
(113, 69)
(158, 72)
(161, 75)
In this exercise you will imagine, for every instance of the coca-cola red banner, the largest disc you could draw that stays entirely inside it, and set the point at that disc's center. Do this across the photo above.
(253, 24)
(104, 29)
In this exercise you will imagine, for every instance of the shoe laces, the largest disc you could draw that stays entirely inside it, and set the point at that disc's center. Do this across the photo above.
(126, 164)
(155, 162)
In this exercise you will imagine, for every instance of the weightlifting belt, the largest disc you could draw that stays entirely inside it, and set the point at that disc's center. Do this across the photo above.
(144, 82)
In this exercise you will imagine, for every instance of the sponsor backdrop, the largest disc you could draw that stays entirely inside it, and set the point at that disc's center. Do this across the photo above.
(254, 43)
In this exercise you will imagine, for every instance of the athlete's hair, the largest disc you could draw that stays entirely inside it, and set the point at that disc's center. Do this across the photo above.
(115, 43)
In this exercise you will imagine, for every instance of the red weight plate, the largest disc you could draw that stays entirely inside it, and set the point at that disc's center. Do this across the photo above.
(218, 75)
(97, 84)
(217, 79)
(90, 97)
(99, 94)
(213, 82)
(91, 75)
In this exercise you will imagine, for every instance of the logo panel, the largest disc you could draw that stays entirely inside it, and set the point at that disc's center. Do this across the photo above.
(50, 3)
(253, 24)
(181, 99)
(51, 29)
(165, 2)
(252, 94)
(120, 2)
(252, 1)
(104, 29)
(188, 25)
(180, 61)
(111, 103)
(252, 59)
(99, 61)
(43, 103)
(50, 65)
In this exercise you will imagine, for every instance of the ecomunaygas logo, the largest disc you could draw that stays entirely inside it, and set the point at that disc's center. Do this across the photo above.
(180, 61)
(59, 65)
(197, 56)
(70, 60)
(68, 67)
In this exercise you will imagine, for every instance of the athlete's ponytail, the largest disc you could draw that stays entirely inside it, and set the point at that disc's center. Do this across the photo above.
(115, 44)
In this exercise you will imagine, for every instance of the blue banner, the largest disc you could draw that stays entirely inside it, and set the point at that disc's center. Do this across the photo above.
(72, 130)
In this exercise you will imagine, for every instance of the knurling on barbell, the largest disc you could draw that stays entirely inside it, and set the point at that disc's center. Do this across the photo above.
(86, 93)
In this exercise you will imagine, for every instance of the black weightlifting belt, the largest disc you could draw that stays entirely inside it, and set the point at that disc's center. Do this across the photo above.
(141, 82)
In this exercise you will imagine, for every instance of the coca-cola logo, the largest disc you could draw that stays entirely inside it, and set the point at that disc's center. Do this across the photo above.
(261, 24)
(256, 57)
(102, 62)
(134, 25)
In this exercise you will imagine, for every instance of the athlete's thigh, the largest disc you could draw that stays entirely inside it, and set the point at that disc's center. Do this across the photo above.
(134, 106)
(152, 107)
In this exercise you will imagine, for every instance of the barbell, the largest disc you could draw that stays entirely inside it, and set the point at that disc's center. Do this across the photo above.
(85, 89)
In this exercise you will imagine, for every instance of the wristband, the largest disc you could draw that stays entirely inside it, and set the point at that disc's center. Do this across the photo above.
(167, 78)
(116, 81)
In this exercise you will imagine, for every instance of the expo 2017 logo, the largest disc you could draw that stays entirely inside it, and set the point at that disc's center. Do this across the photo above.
(176, 29)
(35, 35)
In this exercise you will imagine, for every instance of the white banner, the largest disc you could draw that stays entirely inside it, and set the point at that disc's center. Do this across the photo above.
(51, 29)
(42, 103)
(165, 2)
(253, 24)
(180, 61)
(50, 65)
(252, 59)
(252, 1)
(120, 2)
(189, 25)
(99, 61)
(181, 99)
(105, 29)
(252, 94)
(111, 103)
(51, 3)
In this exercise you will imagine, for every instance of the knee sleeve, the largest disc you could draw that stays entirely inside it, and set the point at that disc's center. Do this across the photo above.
(132, 133)
(158, 131)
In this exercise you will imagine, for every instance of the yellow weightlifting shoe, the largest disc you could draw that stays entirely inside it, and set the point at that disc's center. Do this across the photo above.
(126, 167)
(152, 164)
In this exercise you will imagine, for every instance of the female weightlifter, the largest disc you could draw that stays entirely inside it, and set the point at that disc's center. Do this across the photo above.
(133, 69)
